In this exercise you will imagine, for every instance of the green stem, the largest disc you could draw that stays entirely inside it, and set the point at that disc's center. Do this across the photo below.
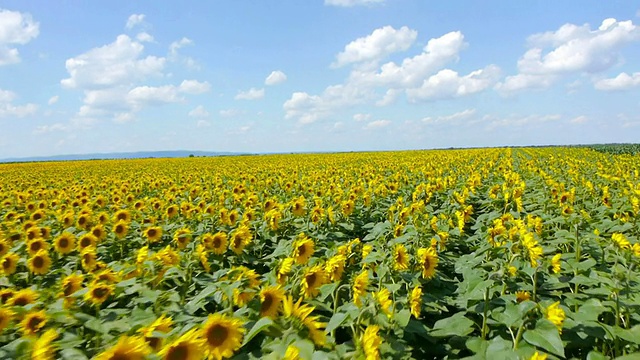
(518, 336)
(535, 285)
(485, 328)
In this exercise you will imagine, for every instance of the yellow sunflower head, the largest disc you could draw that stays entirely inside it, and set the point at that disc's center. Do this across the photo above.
(9, 263)
(98, 293)
(127, 348)
(223, 335)
(65, 243)
(33, 322)
(6, 316)
(189, 346)
(270, 300)
(71, 284)
(39, 263)
(44, 348)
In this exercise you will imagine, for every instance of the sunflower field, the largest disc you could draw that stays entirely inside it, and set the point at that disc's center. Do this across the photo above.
(528, 253)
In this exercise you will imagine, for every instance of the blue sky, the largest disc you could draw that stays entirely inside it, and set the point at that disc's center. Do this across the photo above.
(315, 75)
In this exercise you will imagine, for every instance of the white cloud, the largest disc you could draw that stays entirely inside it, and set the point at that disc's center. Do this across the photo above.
(380, 43)
(199, 112)
(117, 63)
(516, 120)
(350, 3)
(16, 28)
(448, 84)
(310, 108)
(228, 113)
(276, 77)
(251, 94)
(144, 37)
(53, 100)
(361, 117)
(376, 124)
(176, 45)
(579, 119)
(43, 129)
(8, 109)
(153, 95)
(134, 20)
(194, 87)
(571, 49)
(623, 81)
(465, 114)
(203, 123)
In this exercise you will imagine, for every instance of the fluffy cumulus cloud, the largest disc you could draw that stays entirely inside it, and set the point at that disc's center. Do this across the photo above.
(421, 77)
(350, 3)
(621, 82)
(134, 20)
(445, 119)
(112, 78)
(251, 94)
(569, 50)
(377, 124)
(378, 44)
(16, 28)
(276, 77)
(199, 112)
(9, 109)
(118, 63)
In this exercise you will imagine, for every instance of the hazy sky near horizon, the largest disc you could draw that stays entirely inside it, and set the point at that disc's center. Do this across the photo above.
(315, 75)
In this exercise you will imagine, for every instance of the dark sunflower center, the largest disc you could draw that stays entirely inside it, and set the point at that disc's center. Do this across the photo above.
(85, 242)
(217, 242)
(100, 292)
(427, 263)
(180, 352)
(35, 246)
(217, 335)
(20, 301)
(38, 262)
(266, 304)
(152, 232)
(33, 323)
(119, 229)
(311, 279)
(68, 289)
(63, 243)
(154, 342)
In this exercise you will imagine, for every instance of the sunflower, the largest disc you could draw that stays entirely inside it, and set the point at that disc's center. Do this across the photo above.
(298, 206)
(428, 260)
(555, 263)
(153, 233)
(87, 241)
(292, 353)
(162, 324)
(400, 258)
(33, 233)
(89, 259)
(45, 232)
(120, 229)
(189, 346)
(35, 245)
(167, 256)
(71, 284)
(302, 249)
(6, 294)
(65, 243)
(384, 300)
(171, 211)
(99, 232)
(313, 278)
(10, 263)
(182, 237)
(6, 316)
(360, 285)
(371, 342)
(39, 263)
(302, 312)
(233, 217)
(106, 275)
(240, 238)
(522, 296)
(223, 335)
(270, 300)
(335, 267)
(127, 348)
(84, 221)
(415, 301)
(33, 322)
(43, 349)
(122, 215)
(620, 241)
(556, 315)
(67, 219)
(98, 293)
(217, 242)
(23, 297)
(284, 270)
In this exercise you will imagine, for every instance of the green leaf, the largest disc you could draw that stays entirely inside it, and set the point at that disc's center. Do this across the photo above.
(457, 325)
(336, 320)
(594, 355)
(402, 317)
(545, 336)
(73, 354)
(260, 325)
(631, 335)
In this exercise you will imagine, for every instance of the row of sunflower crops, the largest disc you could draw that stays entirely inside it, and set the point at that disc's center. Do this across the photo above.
(480, 253)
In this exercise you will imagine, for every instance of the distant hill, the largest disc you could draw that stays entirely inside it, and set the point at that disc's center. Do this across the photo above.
(123, 155)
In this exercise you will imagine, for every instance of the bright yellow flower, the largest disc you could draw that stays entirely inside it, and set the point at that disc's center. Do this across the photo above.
(223, 335)
(127, 348)
(415, 301)
(371, 342)
(360, 285)
(428, 260)
(556, 315)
